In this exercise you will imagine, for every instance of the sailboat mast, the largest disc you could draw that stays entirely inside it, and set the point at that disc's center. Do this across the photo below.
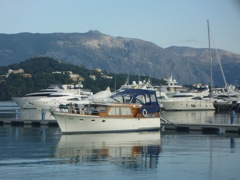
(210, 55)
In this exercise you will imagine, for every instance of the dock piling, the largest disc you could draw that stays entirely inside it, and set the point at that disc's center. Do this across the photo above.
(43, 113)
(232, 116)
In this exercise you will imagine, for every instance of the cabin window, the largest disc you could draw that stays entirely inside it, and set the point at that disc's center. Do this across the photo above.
(140, 99)
(147, 98)
(73, 99)
(114, 111)
(117, 111)
(83, 98)
(102, 109)
(125, 111)
(153, 98)
(197, 98)
(127, 99)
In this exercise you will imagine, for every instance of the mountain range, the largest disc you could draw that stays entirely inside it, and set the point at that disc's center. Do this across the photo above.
(123, 55)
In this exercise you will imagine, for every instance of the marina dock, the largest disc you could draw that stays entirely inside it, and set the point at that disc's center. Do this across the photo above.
(220, 107)
(165, 126)
(204, 128)
(229, 126)
(27, 122)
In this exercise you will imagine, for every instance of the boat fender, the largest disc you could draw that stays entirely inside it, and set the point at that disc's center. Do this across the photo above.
(144, 112)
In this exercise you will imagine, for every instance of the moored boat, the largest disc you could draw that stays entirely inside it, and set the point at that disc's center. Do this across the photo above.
(127, 110)
(24, 102)
(55, 99)
(190, 101)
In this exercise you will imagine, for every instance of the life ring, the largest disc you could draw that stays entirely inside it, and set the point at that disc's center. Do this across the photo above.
(144, 112)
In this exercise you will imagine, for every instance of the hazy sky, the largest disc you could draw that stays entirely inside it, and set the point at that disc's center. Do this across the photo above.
(163, 22)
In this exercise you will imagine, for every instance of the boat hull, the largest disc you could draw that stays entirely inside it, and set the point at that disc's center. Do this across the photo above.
(24, 102)
(76, 123)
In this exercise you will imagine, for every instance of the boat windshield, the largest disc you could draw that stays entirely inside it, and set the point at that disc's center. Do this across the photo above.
(134, 96)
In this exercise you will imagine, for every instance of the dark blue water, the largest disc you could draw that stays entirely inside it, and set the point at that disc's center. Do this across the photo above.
(43, 153)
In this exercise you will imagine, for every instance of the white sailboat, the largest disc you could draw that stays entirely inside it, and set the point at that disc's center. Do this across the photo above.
(192, 101)
(228, 94)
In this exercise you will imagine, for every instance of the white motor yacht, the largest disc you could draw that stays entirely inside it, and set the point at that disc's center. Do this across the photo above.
(54, 100)
(188, 101)
(23, 102)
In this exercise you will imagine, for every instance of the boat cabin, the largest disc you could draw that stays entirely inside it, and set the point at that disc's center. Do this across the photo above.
(126, 103)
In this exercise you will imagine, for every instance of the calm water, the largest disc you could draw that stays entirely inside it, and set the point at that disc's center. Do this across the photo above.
(43, 153)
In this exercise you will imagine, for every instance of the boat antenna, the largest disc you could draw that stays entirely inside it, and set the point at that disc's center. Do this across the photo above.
(210, 55)
(138, 78)
(115, 84)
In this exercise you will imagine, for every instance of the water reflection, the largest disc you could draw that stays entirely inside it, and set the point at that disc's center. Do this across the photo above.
(199, 117)
(232, 142)
(131, 150)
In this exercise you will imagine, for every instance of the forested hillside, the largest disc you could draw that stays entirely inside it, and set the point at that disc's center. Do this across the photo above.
(41, 70)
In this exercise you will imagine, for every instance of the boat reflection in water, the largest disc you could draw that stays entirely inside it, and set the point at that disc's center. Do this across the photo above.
(131, 150)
